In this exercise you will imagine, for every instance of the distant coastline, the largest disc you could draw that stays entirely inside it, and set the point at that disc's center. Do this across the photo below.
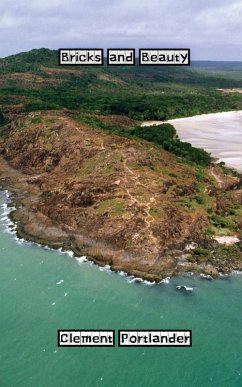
(210, 132)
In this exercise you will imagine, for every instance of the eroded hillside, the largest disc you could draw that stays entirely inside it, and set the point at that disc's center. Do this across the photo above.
(122, 202)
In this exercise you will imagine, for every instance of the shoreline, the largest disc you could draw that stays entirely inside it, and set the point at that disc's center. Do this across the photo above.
(162, 252)
(68, 244)
(65, 240)
(11, 227)
(218, 133)
(204, 115)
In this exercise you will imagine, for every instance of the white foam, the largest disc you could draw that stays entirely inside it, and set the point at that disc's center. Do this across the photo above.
(106, 268)
(132, 279)
(8, 223)
(236, 272)
(6, 212)
(165, 280)
(66, 252)
(222, 275)
(82, 259)
(183, 287)
(19, 241)
(10, 229)
(189, 274)
(205, 276)
(70, 253)
(122, 273)
(149, 283)
(59, 282)
(45, 247)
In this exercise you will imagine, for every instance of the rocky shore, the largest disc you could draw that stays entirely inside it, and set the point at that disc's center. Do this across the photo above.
(117, 201)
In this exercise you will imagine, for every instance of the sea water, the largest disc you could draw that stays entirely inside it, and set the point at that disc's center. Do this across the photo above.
(44, 290)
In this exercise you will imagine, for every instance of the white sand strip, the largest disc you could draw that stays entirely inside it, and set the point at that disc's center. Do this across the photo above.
(218, 133)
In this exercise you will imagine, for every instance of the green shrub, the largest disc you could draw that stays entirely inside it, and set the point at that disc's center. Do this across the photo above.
(200, 199)
(221, 221)
(201, 251)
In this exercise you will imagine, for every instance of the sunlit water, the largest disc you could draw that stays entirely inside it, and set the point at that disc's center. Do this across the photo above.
(43, 291)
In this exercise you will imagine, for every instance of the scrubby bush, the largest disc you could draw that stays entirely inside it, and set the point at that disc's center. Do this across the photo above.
(165, 135)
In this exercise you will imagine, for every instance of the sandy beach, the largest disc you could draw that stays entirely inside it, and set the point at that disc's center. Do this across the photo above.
(218, 133)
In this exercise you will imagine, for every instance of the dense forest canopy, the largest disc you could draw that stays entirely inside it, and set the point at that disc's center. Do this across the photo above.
(140, 92)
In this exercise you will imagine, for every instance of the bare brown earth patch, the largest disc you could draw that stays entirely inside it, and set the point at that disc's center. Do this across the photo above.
(109, 78)
(25, 79)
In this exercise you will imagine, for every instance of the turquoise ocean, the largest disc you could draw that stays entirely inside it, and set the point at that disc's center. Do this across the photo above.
(42, 290)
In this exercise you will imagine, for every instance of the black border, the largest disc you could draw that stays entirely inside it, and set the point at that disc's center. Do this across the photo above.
(165, 64)
(85, 330)
(84, 64)
(155, 330)
(120, 64)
